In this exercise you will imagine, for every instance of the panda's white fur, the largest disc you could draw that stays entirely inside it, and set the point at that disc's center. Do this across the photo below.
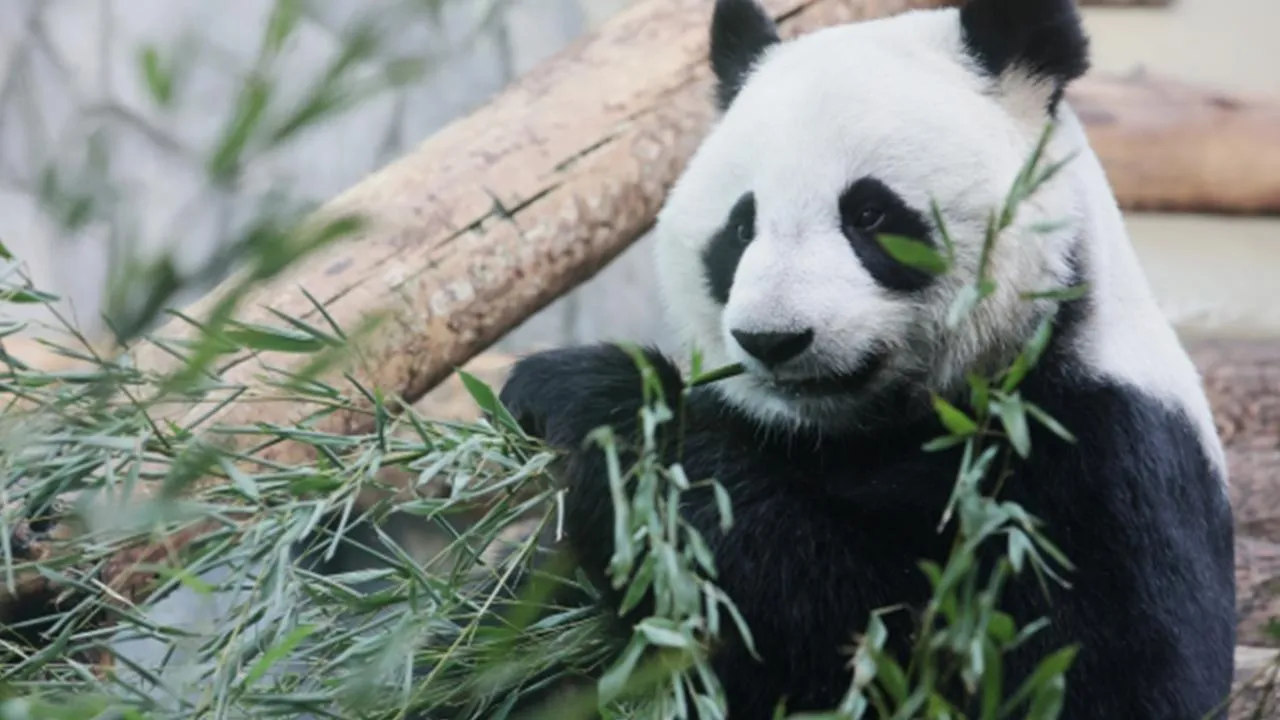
(766, 256)
(873, 98)
(1127, 338)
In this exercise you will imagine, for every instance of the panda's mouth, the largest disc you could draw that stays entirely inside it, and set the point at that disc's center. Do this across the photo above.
(827, 385)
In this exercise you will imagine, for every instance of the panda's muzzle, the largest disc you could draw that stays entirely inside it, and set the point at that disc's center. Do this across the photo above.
(774, 348)
(820, 385)
(775, 352)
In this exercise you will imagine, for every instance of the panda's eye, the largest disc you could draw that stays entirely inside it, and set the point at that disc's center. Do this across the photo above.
(868, 218)
(745, 232)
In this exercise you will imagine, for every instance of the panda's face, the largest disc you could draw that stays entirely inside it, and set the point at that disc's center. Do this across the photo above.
(768, 249)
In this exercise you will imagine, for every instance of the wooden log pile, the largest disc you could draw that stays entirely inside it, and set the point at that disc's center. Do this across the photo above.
(503, 211)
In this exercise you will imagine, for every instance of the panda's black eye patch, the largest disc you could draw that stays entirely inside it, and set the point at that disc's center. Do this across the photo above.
(869, 208)
(868, 218)
(720, 257)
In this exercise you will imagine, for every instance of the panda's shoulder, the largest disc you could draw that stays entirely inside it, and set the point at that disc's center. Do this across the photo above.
(1129, 395)
(1125, 437)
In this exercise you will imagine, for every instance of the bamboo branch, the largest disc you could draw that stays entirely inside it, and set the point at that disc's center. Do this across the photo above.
(488, 221)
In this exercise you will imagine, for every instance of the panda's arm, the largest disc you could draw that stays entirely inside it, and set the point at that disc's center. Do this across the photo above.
(561, 396)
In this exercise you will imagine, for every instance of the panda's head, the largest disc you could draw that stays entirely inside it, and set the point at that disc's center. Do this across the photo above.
(767, 249)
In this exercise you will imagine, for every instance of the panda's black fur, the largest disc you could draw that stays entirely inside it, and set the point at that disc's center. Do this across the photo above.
(829, 529)
(830, 525)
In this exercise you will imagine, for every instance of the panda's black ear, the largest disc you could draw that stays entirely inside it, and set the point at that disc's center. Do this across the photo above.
(1043, 38)
(741, 31)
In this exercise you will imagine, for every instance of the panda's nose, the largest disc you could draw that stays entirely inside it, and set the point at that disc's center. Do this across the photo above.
(774, 348)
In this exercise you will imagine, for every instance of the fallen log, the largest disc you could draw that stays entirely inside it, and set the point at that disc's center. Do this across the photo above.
(1169, 146)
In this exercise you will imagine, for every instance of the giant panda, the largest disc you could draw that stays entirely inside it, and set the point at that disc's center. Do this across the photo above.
(766, 256)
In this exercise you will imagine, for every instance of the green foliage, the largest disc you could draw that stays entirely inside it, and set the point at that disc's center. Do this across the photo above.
(83, 181)
(963, 636)
(914, 253)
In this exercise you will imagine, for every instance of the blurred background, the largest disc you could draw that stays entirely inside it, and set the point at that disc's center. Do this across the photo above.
(96, 176)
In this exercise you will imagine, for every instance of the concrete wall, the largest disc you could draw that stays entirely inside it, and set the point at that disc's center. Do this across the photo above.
(69, 64)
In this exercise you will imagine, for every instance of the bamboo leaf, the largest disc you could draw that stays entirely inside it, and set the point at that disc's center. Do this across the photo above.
(489, 402)
(956, 421)
(277, 653)
(1051, 424)
(27, 296)
(159, 79)
(1013, 415)
(913, 253)
(269, 339)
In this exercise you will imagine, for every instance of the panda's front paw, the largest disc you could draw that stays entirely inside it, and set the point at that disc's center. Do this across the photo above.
(530, 390)
(562, 395)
